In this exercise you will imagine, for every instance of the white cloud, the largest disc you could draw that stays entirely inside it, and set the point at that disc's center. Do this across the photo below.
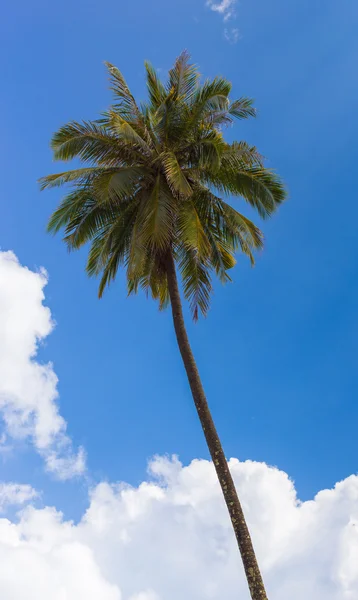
(28, 389)
(226, 8)
(15, 494)
(232, 35)
(171, 538)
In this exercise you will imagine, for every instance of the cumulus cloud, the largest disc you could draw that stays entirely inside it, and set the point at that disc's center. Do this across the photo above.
(28, 389)
(226, 8)
(15, 494)
(170, 537)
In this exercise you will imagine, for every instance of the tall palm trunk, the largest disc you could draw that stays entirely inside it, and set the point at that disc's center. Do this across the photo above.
(253, 575)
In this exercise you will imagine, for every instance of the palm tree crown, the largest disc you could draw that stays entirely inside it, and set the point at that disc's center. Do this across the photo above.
(153, 182)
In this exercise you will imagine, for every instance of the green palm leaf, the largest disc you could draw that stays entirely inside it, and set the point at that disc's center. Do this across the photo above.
(91, 142)
(174, 174)
(156, 90)
(126, 104)
(196, 278)
(190, 230)
(183, 78)
(157, 217)
(58, 179)
(242, 108)
(261, 188)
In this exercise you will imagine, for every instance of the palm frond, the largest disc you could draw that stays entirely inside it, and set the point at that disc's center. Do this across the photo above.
(239, 155)
(156, 89)
(211, 97)
(205, 151)
(126, 132)
(222, 257)
(190, 230)
(152, 280)
(121, 183)
(111, 244)
(167, 120)
(70, 206)
(174, 174)
(260, 187)
(238, 231)
(58, 179)
(126, 103)
(196, 278)
(237, 224)
(91, 142)
(221, 249)
(242, 108)
(157, 216)
(109, 272)
(183, 78)
(94, 206)
(84, 225)
(137, 252)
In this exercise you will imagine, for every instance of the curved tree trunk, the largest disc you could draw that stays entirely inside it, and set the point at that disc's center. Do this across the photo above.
(253, 575)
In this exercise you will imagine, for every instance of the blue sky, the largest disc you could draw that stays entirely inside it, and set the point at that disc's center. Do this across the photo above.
(278, 352)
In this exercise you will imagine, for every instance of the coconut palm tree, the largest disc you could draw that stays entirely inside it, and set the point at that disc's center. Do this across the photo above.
(150, 199)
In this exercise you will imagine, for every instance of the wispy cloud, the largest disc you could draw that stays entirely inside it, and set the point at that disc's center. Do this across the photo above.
(28, 389)
(226, 8)
(231, 35)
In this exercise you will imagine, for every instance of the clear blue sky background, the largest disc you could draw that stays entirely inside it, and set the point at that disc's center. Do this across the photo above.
(278, 352)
